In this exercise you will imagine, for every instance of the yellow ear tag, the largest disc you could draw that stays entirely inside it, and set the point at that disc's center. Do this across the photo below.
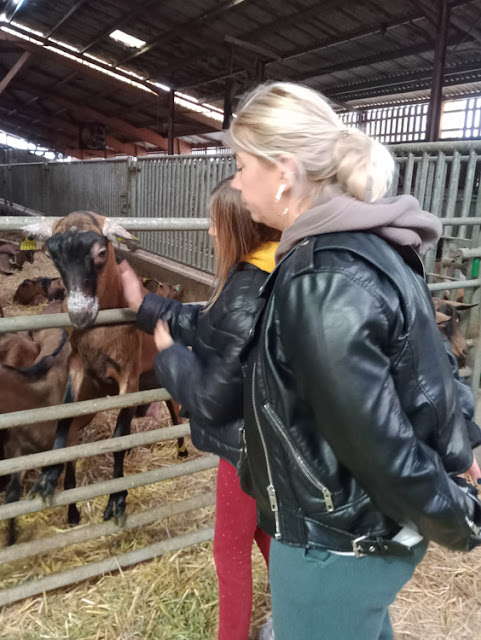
(124, 240)
(28, 245)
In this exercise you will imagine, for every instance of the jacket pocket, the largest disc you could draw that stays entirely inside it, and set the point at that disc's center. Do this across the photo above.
(301, 463)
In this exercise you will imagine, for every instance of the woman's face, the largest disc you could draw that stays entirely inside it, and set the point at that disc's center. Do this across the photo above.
(259, 181)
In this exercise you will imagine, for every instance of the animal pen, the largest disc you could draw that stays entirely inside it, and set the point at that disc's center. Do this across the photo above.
(170, 194)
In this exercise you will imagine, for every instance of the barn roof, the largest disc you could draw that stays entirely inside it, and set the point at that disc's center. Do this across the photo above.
(62, 69)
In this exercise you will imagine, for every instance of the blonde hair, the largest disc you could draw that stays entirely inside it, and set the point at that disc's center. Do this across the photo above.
(237, 235)
(283, 118)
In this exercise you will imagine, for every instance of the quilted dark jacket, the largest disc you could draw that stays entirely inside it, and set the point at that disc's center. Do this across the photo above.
(207, 381)
(351, 412)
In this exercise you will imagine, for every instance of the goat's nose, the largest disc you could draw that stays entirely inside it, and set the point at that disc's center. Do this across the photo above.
(82, 309)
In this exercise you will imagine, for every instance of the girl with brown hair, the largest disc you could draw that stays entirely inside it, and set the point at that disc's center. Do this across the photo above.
(207, 380)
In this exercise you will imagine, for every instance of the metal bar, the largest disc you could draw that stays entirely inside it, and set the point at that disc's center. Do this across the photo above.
(93, 569)
(468, 190)
(435, 147)
(460, 221)
(18, 223)
(60, 320)
(466, 254)
(171, 123)
(84, 408)
(90, 532)
(408, 174)
(434, 110)
(106, 487)
(122, 443)
(459, 284)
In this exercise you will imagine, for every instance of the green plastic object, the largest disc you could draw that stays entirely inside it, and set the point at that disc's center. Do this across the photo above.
(475, 269)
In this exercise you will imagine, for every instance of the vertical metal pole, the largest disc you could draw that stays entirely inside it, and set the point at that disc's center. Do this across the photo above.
(171, 123)
(227, 103)
(260, 71)
(434, 111)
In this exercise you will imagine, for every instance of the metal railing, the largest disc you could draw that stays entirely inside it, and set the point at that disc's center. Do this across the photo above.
(53, 413)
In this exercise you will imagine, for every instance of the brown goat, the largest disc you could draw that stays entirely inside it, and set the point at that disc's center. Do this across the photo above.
(32, 387)
(103, 360)
(12, 258)
(18, 349)
(164, 289)
(447, 319)
(35, 291)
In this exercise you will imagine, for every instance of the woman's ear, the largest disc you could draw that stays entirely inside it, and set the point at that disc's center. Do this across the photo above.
(288, 166)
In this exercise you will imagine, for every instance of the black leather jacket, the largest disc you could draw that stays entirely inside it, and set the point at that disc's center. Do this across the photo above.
(352, 419)
(207, 381)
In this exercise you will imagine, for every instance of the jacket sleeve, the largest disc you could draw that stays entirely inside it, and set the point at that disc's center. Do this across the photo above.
(210, 387)
(337, 338)
(182, 318)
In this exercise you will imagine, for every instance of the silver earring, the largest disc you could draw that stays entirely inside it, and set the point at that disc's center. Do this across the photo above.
(280, 191)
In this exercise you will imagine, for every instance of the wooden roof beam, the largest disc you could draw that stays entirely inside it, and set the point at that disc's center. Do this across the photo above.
(191, 26)
(393, 54)
(324, 43)
(136, 133)
(14, 70)
(56, 143)
(136, 12)
(66, 17)
(72, 129)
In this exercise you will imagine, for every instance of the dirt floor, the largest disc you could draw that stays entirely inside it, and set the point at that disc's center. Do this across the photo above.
(174, 597)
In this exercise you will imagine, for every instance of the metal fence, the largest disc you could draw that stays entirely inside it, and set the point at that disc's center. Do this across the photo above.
(151, 187)
(444, 177)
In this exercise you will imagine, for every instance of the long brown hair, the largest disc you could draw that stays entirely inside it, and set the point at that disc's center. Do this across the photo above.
(237, 235)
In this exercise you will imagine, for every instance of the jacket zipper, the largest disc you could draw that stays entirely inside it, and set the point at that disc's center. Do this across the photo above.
(271, 492)
(327, 495)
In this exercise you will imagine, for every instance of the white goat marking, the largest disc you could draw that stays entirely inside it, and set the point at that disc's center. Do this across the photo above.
(79, 303)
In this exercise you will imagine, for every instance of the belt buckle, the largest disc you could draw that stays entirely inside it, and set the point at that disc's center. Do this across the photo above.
(356, 548)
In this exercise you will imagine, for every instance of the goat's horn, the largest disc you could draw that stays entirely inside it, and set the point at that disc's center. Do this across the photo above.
(114, 231)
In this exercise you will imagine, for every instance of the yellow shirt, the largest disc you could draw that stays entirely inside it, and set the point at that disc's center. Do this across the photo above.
(263, 257)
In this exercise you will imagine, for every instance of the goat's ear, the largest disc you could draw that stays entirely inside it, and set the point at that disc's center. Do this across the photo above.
(459, 306)
(442, 317)
(114, 231)
(41, 228)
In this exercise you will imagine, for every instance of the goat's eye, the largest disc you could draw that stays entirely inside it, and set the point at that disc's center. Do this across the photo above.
(102, 253)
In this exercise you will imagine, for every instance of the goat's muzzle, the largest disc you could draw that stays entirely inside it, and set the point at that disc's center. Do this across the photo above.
(82, 309)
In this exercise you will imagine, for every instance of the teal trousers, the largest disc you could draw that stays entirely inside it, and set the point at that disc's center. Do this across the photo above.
(318, 595)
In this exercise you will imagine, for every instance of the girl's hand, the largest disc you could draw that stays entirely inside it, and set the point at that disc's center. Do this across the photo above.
(162, 337)
(134, 292)
(474, 473)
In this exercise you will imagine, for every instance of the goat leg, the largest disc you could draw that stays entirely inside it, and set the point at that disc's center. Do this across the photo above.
(69, 483)
(48, 481)
(116, 505)
(12, 494)
(174, 408)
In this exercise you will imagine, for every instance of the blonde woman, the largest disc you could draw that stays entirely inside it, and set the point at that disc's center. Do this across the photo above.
(353, 429)
(207, 381)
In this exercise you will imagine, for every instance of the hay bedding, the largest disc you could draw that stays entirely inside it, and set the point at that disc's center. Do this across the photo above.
(175, 597)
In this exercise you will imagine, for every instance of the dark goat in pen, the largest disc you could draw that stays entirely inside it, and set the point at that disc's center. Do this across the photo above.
(103, 360)
(30, 387)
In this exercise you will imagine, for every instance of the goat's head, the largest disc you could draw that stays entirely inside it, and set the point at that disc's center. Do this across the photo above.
(447, 319)
(164, 289)
(79, 246)
(30, 292)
